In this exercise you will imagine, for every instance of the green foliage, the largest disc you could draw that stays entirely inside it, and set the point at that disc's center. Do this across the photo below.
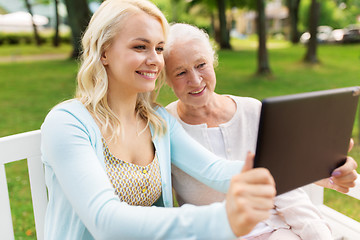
(182, 11)
(174, 10)
(3, 10)
(249, 4)
(2, 38)
(331, 14)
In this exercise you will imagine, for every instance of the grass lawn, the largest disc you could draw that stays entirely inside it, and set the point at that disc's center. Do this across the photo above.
(29, 90)
(25, 50)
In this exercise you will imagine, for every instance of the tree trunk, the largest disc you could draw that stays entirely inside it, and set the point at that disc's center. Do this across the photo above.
(311, 54)
(293, 6)
(56, 40)
(263, 62)
(79, 17)
(213, 28)
(174, 10)
(36, 34)
(224, 32)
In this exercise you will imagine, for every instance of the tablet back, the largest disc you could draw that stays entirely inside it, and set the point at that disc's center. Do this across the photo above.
(303, 137)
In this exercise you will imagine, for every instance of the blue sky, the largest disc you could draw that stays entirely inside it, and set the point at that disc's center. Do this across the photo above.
(13, 5)
(19, 5)
(46, 10)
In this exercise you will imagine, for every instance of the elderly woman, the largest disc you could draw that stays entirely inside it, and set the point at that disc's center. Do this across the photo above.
(227, 125)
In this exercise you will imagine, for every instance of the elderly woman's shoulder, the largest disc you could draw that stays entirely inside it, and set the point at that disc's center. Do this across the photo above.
(246, 100)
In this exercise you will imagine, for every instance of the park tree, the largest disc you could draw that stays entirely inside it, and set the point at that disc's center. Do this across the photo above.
(56, 39)
(224, 41)
(209, 9)
(79, 16)
(263, 67)
(311, 53)
(222, 34)
(36, 33)
(293, 6)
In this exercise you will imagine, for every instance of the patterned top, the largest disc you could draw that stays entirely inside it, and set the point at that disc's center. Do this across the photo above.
(134, 184)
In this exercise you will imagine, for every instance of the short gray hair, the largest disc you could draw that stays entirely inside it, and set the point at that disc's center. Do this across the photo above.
(185, 32)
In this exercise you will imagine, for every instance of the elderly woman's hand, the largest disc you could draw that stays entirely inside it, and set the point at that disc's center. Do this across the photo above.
(342, 178)
(250, 198)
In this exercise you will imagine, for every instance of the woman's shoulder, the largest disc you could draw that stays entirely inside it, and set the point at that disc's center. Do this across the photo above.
(246, 100)
(246, 104)
(69, 105)
(172, 107)
(69, 111)
(163, 112)
(170, 120)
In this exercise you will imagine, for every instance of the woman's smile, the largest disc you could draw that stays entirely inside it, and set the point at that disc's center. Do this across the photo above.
(151, 75)
(198, 92)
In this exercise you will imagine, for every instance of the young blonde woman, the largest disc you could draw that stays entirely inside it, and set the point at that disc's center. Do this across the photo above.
(108, 152)
(227, 125)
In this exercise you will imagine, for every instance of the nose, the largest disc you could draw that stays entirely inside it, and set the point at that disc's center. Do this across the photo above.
(154, 58)
(194, 78)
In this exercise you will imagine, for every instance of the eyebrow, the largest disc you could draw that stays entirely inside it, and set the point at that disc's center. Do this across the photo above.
(202, 58)
(178, 68)
(146, 40)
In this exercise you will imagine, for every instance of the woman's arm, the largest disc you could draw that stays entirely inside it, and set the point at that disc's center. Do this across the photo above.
(194, 159)
(68, 150)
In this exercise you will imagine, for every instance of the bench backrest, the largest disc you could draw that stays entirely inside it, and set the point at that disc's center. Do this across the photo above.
(14, 148)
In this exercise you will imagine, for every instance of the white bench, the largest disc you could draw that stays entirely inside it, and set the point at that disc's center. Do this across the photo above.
(27, 146)
(14, 148)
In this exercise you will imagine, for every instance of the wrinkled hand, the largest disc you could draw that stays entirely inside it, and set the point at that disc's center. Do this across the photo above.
(250, 198)
(342, 178)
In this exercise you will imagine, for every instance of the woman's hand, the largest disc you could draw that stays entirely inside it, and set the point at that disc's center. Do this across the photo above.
(342, 178)
(250, 198)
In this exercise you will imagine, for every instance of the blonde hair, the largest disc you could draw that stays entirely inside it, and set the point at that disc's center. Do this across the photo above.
(92, 78)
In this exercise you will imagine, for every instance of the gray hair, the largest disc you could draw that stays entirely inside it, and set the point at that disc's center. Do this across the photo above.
(185, 32)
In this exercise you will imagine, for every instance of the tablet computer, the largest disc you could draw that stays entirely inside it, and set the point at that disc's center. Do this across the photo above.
(303, 137)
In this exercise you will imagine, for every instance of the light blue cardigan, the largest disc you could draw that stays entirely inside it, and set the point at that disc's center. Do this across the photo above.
(82, 203)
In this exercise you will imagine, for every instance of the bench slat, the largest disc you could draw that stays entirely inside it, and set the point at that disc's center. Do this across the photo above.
(6, 227)
(355, 191)
(342, 226)
(20, 146)
(14, 148)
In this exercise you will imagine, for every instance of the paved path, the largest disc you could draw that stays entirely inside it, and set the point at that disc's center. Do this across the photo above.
(29, 58)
